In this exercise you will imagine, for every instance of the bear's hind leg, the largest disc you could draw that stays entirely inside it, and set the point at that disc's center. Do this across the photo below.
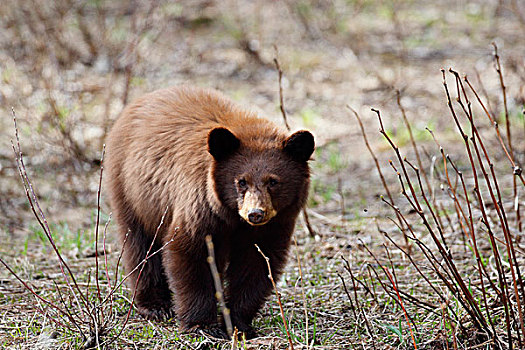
(151, 292)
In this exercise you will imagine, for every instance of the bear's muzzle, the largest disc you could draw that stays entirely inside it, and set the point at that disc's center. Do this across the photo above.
(257, 208)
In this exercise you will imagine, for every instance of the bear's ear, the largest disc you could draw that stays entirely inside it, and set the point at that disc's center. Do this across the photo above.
(299, 145)
(222, 143)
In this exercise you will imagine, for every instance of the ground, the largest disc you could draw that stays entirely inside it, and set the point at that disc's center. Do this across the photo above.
(68, 67)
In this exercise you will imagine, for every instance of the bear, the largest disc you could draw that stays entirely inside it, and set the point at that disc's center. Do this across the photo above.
(206, 166)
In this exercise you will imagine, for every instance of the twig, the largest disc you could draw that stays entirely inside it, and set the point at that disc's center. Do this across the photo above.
(517, 171)
(281, 98)
(478, 194)
(98, 219)
(409, 256)
(47, 302)
(218, 286)
(270, 276)
(476, 139)
(395, 284)
(379, 171)
(42, 220)
(471, 305)
(108, 279)
(305, 304)
(472, 236)
(504, 93)
(351, 306)
(309, 227)
(359, 307)
(285, 119)
(142, 265)
(399, 299)
(120, 255)
(413, 142)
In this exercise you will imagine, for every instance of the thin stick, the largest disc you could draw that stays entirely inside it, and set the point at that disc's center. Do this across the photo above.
(479, 196)
(281, 98)
(108, 279)
(516, 168)
(413, 142)
(47, 302)
(42, 220)
(497, 204)
(142, 264)
(309, 227)
(270, 276)
(471, 306)
(353, 279)
(376, 162)
(285, 119)
(98, 219)
(71, 310)
(409, 256)
(305, 304)
(472, 237)
(484, 92)
(218, 286)
(120, 254)
(395, 283)
(399, 299)
(352, 307)
(504, 92)
(436, 265)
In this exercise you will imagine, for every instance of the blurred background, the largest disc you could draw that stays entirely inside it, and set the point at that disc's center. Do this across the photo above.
(68, 67)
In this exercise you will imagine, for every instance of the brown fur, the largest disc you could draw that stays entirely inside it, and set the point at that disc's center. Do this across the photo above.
(215, 167)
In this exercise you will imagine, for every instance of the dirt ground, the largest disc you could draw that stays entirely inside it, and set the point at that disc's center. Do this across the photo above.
(68, 67)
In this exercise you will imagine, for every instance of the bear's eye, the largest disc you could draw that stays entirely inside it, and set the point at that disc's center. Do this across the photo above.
(273, 182)
(242, 183)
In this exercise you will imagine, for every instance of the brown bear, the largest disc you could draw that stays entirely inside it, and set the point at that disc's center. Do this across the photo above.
(220, 171)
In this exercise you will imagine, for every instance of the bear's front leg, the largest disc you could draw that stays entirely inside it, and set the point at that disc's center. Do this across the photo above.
(191, 281)
(249, 284)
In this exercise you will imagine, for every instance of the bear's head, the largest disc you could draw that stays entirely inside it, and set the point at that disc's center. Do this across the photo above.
(259, 176)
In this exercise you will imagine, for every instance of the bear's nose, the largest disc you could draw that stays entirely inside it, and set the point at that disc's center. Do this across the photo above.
(256, 216)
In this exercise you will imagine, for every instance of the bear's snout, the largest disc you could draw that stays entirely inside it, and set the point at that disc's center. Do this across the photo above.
(256, 207)
(256, 216)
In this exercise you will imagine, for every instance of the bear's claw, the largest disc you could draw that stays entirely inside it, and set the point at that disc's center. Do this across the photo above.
(213, 330)
(155, 314)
